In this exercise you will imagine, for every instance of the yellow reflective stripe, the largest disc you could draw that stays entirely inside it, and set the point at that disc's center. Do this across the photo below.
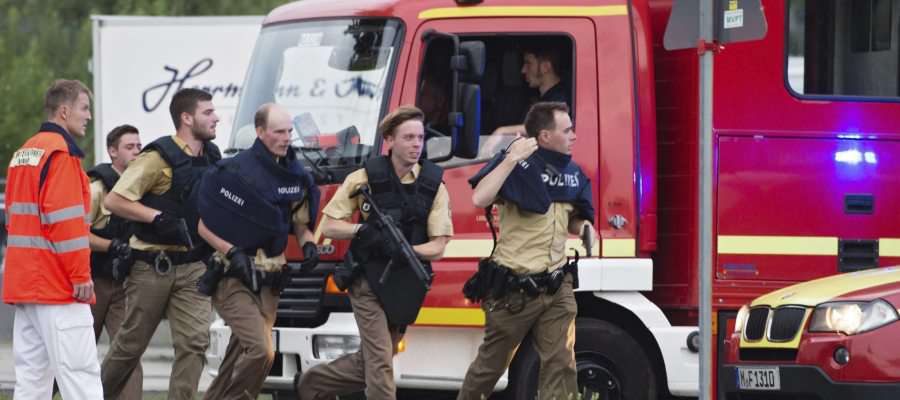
(450, 316)
(778, 245)
(463, 248)
(889, 247)
(524, 11)
(618, 247)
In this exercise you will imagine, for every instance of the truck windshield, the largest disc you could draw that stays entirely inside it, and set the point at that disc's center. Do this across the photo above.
(332, 76)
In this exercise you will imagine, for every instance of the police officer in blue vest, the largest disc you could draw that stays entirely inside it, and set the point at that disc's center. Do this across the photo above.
(527, 285)
(249, 205)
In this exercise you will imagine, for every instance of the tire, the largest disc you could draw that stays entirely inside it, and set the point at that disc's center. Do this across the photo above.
(611, 365)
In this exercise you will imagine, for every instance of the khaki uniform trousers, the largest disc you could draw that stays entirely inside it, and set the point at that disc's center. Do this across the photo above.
(551, 321)
(249, 355)
(151, 296)
(371, 368)
(109, 311)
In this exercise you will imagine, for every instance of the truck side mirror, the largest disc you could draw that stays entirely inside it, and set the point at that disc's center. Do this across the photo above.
(466, 145)
(475, 60)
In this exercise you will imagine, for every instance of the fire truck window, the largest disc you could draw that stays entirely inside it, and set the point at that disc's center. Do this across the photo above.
(843, 48)
(505, 93)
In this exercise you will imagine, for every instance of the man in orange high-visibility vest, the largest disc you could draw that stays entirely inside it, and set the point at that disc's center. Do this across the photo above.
(48, 271)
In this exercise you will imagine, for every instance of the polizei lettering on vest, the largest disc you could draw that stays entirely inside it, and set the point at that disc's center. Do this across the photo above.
(289, 190)
(231, 196)
(570, 180)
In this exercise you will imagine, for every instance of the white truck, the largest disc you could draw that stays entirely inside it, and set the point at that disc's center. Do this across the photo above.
(140, 62)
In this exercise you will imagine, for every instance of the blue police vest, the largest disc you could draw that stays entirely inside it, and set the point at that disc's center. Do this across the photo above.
(247, 199)
(543, 178)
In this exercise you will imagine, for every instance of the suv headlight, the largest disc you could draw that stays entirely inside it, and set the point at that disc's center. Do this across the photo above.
(741, 319)
(852, 317)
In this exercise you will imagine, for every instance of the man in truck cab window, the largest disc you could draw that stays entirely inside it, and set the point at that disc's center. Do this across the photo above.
(248, 206)
(527, 284)
(409, 190)
(541, 70)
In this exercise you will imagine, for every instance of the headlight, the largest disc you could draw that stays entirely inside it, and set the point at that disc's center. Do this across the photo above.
(741, 319)
(852, 317)
(330, 347)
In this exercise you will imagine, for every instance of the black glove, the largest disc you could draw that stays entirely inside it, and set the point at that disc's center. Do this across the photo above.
(310, 257)
(118, 247)
(368, 241)
(209, 281)
(240, 266)
(120, 259)
(346, 272)
(166, 225)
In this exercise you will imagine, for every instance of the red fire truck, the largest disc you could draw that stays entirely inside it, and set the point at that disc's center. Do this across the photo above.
(806, 128)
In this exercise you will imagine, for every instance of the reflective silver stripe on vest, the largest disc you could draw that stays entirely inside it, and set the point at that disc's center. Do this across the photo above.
(49, 218)
(62, 215)
(37, 242)
(23, 208)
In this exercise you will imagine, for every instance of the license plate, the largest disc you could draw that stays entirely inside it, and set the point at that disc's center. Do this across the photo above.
(759, 378)
(275, 340)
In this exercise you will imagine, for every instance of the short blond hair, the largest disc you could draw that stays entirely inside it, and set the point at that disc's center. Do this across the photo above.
(63, 91)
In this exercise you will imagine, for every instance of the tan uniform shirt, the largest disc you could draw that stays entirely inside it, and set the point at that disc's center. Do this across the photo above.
(148, 173)
(99, 215)
(342, 206)
(531, 243)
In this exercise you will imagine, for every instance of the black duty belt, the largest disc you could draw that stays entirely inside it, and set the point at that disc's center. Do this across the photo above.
(536, 284)
(163, 261)
(271, 279)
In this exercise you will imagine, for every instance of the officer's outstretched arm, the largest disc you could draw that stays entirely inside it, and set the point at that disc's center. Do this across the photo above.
(214, 240)
(131, 210)
(433, 249)
(338, 229)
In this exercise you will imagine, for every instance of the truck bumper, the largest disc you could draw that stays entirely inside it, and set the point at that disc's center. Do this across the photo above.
(454, 347)
(805, 382)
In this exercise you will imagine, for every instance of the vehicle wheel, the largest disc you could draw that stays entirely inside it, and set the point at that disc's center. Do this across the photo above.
(611, 365)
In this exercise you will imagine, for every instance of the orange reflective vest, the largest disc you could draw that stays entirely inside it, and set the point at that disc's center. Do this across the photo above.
(47, 204)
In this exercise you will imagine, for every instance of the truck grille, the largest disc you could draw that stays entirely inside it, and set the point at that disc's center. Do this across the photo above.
(779, 325)
(301, 301)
